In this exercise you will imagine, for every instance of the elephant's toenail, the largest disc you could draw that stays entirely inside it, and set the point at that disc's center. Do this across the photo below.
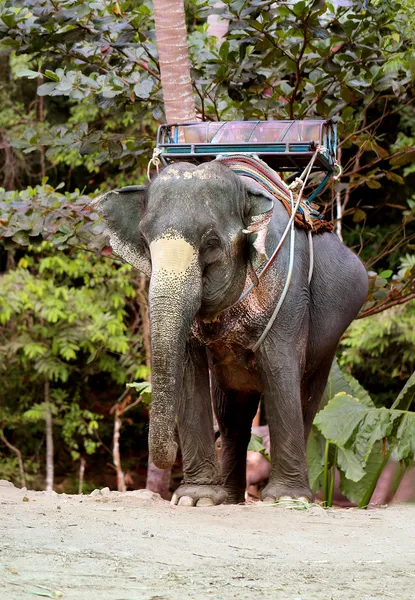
(285, 499)
(205, 502)
(268, 500)
(174, 500)
(186, 501)
(304, 499)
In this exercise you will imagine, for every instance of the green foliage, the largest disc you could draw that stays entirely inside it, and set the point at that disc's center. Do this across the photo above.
(65, 318)
(309, 58)
(78, 430)
(380, 350)
(43, 213)
(143, 389)
(50, 322)
(256, 445)
(98, 54)
(358, 438)
(9, 470)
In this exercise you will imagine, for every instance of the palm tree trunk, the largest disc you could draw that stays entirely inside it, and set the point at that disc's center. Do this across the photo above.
(171, 36)
(49, 440)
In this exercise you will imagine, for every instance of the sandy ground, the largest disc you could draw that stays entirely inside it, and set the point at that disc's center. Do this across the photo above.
(135, 546)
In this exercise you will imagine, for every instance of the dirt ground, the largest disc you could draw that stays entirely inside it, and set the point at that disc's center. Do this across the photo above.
(135, 546)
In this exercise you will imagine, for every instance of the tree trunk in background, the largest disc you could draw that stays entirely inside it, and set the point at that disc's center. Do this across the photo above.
(82, 464)
(116, 450)
(171, 37)
(158, 480)
(19, 458)
(217, 26)
(49, 440)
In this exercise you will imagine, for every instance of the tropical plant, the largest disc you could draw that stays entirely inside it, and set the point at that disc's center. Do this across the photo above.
(358, 438)
(64, 320)
(380, 351)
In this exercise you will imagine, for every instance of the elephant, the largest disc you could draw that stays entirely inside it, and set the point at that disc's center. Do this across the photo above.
(189, 232)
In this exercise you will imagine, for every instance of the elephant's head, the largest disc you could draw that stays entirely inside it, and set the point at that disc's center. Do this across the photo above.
(188, 232)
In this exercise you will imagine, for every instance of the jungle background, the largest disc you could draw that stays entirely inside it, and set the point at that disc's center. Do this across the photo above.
(80, 101)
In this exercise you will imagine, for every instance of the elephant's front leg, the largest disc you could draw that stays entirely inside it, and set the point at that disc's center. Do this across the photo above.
(201, 484)
(282, 396)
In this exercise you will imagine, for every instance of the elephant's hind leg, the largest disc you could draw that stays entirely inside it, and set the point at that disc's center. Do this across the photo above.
(234, 412)
(201, 484)
(312, 389)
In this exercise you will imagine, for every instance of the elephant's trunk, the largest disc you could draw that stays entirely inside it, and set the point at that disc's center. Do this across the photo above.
(174, 298)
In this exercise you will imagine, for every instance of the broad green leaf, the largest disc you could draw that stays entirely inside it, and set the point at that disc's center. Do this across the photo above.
(357, 391)
(339, 420)
(340, 381)
(405, 436)
(356, 491)
(349, 464)
(406, 396)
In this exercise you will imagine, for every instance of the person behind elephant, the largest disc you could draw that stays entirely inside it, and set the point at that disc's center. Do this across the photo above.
(191, 230)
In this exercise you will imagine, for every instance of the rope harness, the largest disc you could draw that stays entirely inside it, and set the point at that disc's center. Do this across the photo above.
(303, 213)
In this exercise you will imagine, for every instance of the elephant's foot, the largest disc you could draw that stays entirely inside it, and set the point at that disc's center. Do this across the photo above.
(191, 494)
(276, 492)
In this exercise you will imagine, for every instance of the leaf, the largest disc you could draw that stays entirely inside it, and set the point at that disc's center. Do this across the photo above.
(256, 445)
(140, 387)
(356, 491)
(52, 75)
(359, 214)
(28, 73)
(46, 89)
(405, 445)
(349, 464)
(339, 420)
(299, 7)
(395, 177)
(357, 390)
(224, 50)
(339, 381)
(21, 238)
(403, 158)
(407, 395)
(373, 185)
(143, 88)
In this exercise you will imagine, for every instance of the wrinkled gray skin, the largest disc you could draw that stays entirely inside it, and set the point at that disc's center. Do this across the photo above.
(186, 231)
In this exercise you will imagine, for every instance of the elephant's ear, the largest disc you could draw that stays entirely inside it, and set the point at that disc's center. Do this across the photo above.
(259, 207)
(122, 210)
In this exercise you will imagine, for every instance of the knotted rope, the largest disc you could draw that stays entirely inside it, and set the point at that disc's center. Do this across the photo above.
(154, 160)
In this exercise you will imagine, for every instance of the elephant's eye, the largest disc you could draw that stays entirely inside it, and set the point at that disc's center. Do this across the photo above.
(211, 249)
(212, 243)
